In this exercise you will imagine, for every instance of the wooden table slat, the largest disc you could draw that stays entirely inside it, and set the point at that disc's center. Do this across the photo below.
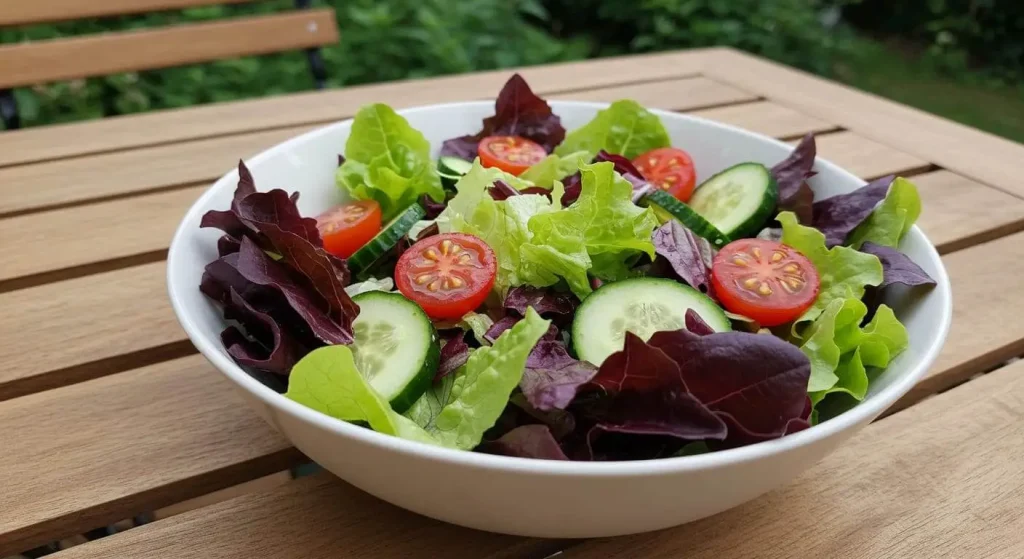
(768, 118)
(78, 457)
(933, 481)
(692, 93)
(970, 152)
(57, 183)
(133, 131)
(46, 241)
(73, 330)
(866, 158)
(959, 212)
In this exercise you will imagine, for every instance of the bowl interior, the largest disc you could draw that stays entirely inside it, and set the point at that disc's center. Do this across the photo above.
(307, 165)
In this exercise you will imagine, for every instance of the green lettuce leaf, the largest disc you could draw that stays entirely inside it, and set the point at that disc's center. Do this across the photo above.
(892, 219)
(504, 226)
(625, 128)
(883, 338)
(554, 168)
(613, 229)
(830, 343)
(327, 380)
(388, 161)
(457, 416)
(841, 351)
(479, 324)
(844, 272)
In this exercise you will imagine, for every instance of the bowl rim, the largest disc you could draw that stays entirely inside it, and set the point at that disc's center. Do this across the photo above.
(864, 411)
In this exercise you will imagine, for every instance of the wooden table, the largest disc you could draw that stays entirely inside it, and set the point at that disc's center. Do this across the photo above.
(108, 413)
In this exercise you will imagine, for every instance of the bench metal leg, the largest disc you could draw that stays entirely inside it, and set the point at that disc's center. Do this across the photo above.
(315, 57)
(9, 110)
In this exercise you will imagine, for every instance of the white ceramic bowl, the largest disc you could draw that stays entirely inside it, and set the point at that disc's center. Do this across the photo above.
(539, 497)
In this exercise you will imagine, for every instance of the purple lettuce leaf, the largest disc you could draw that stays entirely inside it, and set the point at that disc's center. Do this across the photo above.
(648, 396)
(561, 422)
(756, 383)
(897, 267)
(517, 112)
(839, 215)
(628, 171)
(552, 377)
(689, 254)
(573, 188)
(502, 190)
(527, 441)
(432, 208)
(463, 147)
(227, 244)
(265, 345)
(252, 267)
(428, 231)
(791, 174)
(544, 301)
(454, 353)
(696, 324)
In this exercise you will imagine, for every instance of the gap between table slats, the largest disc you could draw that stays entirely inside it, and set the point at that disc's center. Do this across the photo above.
(941, 478)
(166, 127)
(985, 333)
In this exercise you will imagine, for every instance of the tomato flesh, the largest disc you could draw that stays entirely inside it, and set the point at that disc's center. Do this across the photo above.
(512, 154)
(447, 275)
(670, 169)
(346, 228)
(767, 281)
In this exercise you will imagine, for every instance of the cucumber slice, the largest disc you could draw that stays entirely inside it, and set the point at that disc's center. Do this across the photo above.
(386, 240)
(395, 347)
(667, 207)
(641, 305)
(738, 201)
(453, 166)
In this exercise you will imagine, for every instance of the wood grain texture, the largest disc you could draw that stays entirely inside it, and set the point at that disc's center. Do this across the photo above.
(692, 93)
(148, 169)
(316, 516)
(78, 457)
(43, 185)
(46, 11)
(767, 118)
(942, 479)
(161, 127)
(967, 151)
(53, 333)
(31, 63)
(987, 329)
(959, 212)
(866, 158)
(47, 241)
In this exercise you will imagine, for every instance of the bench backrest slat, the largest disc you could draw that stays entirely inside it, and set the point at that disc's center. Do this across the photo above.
(109, 53)
(23, 12)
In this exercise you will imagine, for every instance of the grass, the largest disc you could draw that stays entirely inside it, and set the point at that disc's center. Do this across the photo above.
(909, 79)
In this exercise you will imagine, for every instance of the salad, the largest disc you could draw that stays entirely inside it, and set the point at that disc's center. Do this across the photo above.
(554, 294)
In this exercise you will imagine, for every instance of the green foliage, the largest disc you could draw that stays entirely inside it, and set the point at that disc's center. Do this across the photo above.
(956, 34)
(791, 31)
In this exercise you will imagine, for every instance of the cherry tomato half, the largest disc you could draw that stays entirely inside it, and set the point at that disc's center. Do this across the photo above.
(512, 154)
(447, 275)
(346, 228)
(669, 169)
(765, 280)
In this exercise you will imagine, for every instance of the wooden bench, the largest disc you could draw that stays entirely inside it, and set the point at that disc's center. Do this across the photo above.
(38, 62)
